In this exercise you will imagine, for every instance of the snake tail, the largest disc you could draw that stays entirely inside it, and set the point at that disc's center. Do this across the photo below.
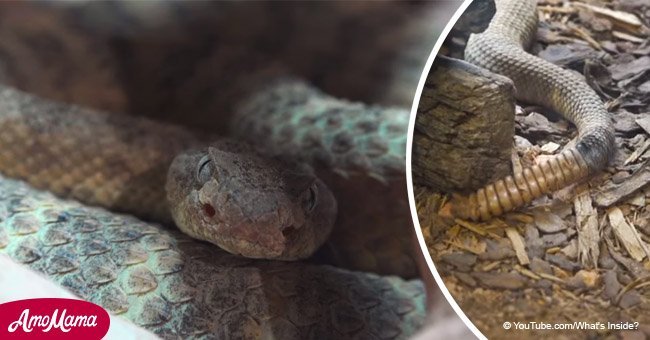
(500, 49)
(520, 189)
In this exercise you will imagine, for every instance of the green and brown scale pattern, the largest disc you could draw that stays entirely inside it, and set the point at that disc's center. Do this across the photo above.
(178, 288)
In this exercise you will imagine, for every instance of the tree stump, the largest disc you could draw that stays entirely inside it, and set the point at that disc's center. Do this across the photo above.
(464, 127)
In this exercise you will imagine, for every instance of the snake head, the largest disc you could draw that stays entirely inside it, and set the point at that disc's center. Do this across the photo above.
(248, 204)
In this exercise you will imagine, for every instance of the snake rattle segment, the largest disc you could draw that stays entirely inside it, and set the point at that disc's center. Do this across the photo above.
(500, 49)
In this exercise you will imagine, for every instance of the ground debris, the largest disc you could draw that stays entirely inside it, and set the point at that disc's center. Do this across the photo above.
(638, 152)
(501, 280)
(579, 254)
(631, 69)
(627, 235)
(518, 245)
(644, 120)
(628, 22)
(462, 261)
(584, 279)
(588, 233)
(612, 286)
(614, 193)
(549, 222)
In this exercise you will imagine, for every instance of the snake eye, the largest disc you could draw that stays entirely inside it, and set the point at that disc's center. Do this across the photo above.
(208, 210)
(310, 198)
(205, 169)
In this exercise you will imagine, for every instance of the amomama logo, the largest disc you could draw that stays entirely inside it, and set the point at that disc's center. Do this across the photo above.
(53, 319)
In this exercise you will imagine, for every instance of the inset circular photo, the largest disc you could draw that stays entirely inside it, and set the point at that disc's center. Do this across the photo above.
(213, 170)
(529, 165)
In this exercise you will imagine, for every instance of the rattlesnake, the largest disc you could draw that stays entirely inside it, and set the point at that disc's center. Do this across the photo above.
(160, 278)
(178, 288)
(499, 49)
(257, 206)
(223, 192)
(254, 206)
(188, 62)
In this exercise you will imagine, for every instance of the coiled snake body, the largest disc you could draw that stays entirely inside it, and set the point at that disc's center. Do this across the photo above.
(157, 277)
(500, 49)
(177, 287)
(223, 192)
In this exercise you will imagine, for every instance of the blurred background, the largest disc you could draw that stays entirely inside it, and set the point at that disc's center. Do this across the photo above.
(189, 63)
(174, 60)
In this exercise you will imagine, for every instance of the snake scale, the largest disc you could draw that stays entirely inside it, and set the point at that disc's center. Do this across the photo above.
(222, 191)
(190, 63)
(500, 49)
(186, 64)
(158, 277)
(177, 287)
(270, 208)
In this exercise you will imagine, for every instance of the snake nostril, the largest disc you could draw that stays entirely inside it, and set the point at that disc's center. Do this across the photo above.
(288, 231)
(208, 210)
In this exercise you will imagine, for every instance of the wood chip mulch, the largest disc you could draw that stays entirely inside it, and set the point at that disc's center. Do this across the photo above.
(581, 254)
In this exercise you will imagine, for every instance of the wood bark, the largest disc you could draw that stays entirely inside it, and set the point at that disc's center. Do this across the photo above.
(464, 127)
